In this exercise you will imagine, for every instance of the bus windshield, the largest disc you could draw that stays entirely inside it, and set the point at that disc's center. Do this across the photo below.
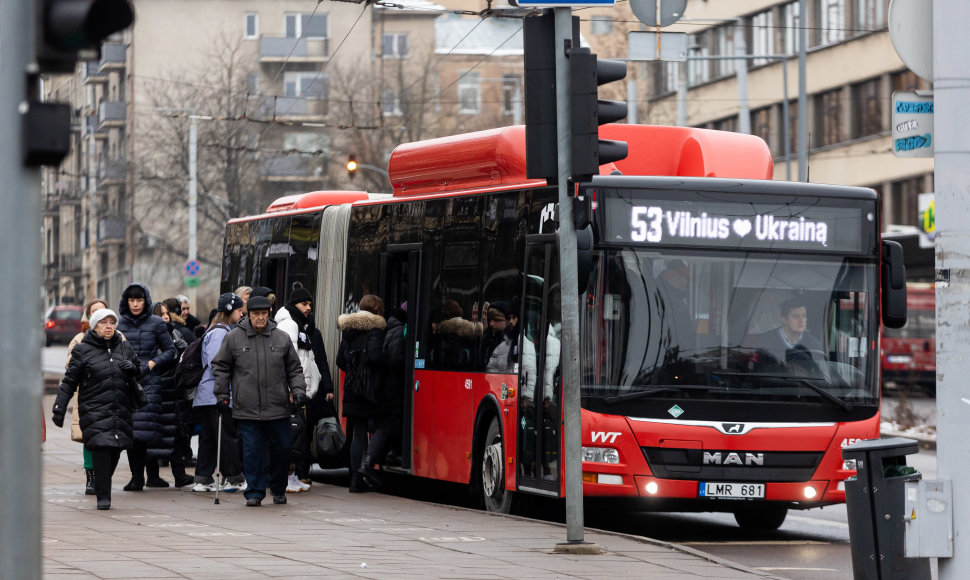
(728, 326)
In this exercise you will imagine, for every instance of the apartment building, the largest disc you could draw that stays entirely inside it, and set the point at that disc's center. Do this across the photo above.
(277, 96)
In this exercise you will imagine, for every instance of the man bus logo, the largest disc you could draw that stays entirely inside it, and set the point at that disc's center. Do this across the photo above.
(733, 428)
(733, 458)
(605, 436)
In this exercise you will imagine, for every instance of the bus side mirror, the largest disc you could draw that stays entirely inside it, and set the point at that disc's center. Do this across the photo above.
(584, 256)
(893, 285)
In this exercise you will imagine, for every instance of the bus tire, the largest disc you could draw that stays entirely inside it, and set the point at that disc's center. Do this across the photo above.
(764, 518)
(494, 495)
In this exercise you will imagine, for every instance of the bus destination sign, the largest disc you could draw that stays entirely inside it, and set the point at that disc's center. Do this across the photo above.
(754, 226)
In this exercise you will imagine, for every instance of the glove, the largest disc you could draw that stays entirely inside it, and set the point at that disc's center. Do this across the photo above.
(222, 405)
(299, 400)
(128, 367)
(57, 416)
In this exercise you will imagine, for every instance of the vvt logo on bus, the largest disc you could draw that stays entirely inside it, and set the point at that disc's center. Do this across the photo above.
(605, 436)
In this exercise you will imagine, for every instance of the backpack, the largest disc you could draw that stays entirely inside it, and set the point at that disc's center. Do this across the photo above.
(189, 370)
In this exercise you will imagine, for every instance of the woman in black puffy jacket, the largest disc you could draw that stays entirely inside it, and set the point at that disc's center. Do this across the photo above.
(102, 370)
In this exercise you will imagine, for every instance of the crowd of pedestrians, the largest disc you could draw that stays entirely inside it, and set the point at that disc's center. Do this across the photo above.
(263, 371)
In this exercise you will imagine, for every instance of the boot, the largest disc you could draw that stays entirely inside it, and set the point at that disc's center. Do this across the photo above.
(368, 473)
(136, 484)
(358, 484)
(104, 503)
(89, 483)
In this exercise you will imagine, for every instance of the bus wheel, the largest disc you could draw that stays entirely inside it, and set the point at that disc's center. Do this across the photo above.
(764, 518)
(496, 497)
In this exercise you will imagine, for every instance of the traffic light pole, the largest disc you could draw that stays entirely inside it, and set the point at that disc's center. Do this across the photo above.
(569, 359)
(20, 243)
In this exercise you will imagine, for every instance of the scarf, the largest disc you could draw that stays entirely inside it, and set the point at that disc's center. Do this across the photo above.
(305, 326)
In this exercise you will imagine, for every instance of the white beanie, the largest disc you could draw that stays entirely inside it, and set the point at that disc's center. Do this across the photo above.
(100, 314)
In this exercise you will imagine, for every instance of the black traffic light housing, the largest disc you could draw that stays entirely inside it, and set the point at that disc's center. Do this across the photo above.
(540, 97)
(588, 112)
(351, 166)
(65, 28)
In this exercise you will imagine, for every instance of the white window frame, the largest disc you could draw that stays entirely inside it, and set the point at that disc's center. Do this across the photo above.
(470, 82)
(391, 103)
(762, 36)
(298, 24)
(831, 21)
(295, 80)
(395, 45)
(251, 17)
(792, 21)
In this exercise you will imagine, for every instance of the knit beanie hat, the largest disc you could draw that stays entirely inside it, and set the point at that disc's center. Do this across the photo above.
(100, 314)
(229, 302)
(301, 294)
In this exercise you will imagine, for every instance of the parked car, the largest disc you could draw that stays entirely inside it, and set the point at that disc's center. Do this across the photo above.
(62, 323)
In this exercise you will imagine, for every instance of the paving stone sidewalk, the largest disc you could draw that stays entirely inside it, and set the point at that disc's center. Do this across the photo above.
(325, 533)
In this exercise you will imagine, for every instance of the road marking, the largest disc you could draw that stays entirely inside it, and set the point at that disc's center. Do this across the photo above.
(770, 569)
(760, 543)
(454, 539)
(820, 522)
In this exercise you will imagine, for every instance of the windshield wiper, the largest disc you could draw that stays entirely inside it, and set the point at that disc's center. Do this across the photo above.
(658, 389)
(845, 405)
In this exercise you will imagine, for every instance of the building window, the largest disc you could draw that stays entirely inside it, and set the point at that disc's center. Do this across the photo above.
(725, 47)
(830, 17)
(904, 194)
(761, 124)
(601, 25)
(391, 103)
(698, 71)
(908, 81)
(309, 85)
(664, 78)
(469, 93)
(305, 142)
(870, 15)
(395, 45)
(252, 84)
(511, 100)
(828, 118)
(762, 33)
(867, 116)
(729, 124)
(252, 25)
(792, 23)
(306, 25)
(792, 126)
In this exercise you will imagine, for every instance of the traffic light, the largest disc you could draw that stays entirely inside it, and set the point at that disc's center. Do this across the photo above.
(65, 28)
(588, 112)
(351, 166)
(541, 148)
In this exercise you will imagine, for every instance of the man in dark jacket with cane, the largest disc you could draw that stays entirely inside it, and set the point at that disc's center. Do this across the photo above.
(263, 369)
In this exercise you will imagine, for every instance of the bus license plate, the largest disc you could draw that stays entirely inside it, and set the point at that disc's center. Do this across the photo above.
(731, 490)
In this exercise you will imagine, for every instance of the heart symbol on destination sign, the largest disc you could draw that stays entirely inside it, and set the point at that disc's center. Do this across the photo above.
(741, 227)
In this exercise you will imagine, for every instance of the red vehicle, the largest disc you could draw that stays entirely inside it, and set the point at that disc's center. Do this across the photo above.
(909, 353)
(682, 408)
(62, 323)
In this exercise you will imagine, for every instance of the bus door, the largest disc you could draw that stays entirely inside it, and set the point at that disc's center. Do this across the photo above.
(401, 281)
(539, 397)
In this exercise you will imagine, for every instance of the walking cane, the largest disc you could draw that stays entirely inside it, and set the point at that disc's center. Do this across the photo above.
(218, 474)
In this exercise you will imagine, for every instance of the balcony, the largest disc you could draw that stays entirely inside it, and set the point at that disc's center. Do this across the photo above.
(112, 171)
(63, 265)
(113, 56)
(112, 114)
(302, 108)
(291, 168)
(112, 229)
(293, 50)
(90, 73)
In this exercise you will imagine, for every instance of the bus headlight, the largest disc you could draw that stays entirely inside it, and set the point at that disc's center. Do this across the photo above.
(601, 455)
(810, 492)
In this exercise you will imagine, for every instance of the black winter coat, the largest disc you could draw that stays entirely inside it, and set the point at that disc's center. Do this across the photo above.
(149, 337)
(104, 395)
(363, 332)
(175, 408)
(393, 359)
(318, 407)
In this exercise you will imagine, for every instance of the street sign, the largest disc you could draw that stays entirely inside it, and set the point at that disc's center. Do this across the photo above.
(912, 124)
(665, 46)
(192, 267)
(649, 13)
(926, 206)
(192, 281)
(911, 30)
(561, 4)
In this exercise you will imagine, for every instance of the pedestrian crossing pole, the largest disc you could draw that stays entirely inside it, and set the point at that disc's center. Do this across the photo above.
(20, 312)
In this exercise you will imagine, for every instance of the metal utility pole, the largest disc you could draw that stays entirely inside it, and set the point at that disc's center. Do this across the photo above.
(20, 255)
(740, 49)
(802, 99)
(951, 93)
(193, 200)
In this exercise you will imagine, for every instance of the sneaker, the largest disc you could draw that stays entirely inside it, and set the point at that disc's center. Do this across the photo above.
(255, 501)
(230, 487)
(305, 484)
(279, 499)
(293, 484)
(204, 486)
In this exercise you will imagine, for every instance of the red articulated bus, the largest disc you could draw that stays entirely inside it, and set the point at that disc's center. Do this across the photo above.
(909, 353)
(692, 264)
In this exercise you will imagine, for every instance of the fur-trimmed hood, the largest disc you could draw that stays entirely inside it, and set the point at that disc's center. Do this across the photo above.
(461, 327)
(362, 321)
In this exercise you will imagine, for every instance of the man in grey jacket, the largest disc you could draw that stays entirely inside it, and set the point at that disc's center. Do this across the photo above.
(263, 369)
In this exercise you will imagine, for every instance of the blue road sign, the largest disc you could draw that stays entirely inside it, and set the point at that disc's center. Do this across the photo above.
(192, 268)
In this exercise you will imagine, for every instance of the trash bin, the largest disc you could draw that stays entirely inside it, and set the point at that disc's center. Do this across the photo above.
(874, 502)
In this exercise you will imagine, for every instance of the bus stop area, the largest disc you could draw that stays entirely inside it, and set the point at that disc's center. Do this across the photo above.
(326, 532)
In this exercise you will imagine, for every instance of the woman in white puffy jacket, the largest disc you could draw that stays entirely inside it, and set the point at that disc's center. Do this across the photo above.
(294, 319)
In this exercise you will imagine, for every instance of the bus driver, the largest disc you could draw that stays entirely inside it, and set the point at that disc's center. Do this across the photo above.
(790, 344)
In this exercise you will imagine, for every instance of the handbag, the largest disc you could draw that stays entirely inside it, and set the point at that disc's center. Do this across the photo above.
(359, 380)
(328, 438)
(138, 397)
(298, 441)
